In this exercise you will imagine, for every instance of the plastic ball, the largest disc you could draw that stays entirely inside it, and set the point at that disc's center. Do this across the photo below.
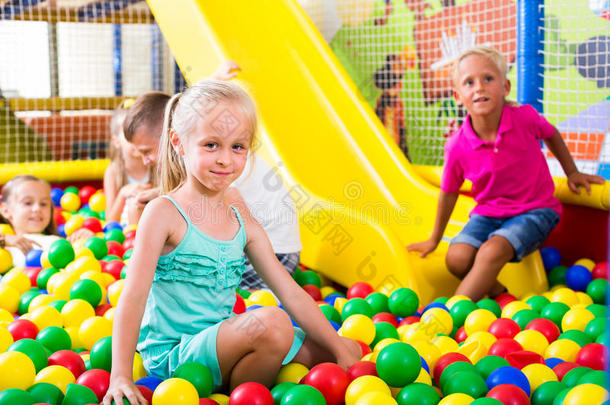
(524, 317)
(403, 302)
(546, 327)
(452, 370)
(69, 202)
(302, 395)
(546, 392)
(486, 365)
(176, 391)
(563, 349)
(76, 311)
(598, 290)
(363, 385)
(551, 257)
(398, 364)
(198, 375)
(504, 346)
(538, 374)
(576, 319)
(585, 394)
(578, 277)
(116, 235)
(555, 312)
(87, 290)
(437, 320)
(61, 253)
(97, 202)
(537, 302)
(22, 329)
(359, 290)
(356, 306)
(358, 327)
(6, 260)
(34, 350)
(509, 394)
(313, 291)
(595, 327)
(384, 330)
(17, 370)
(532, 340)
(291, 372)
(600, 270)
(101, 354)
(329, 379)
(68, 359)
(262, 298)
(417, 394)
(378, 302)
(17, 279)
(56, 375)
(46, 316)
(508, 375)
(456, 399)
(94, 329)
(32, 258)
(557, 276)
(97, 380)
(593, 355)
(46, 393)
(56, 194)
(594, 377)
(14, 396)
(444, 361)
(478, 320)
(280, 390)
(460, 310)
(504, 328)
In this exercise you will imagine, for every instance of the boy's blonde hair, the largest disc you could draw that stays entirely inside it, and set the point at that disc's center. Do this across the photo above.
(7, 192)
(482, 50)
(183, 112)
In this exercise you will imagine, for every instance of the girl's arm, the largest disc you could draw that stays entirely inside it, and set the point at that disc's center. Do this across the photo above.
(446, 203)
(110, 189)
(575, 178)
(297, 302)
(150, 239)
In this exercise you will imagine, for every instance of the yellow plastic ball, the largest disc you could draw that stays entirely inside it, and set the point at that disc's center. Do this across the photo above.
(588, 263)
(478, 320)
(358, 327)
(445, 344)
(6, 339)
(456, 399)
(107, 279)
(538, 374)
(63, 284)
(423, 377)
(376, 398)
(82, 251)
(263, 298)
(372, 357)
(73, 224)
(109, 314)
(73, 332)
(532, 340)
(326, 291)
(93, 329)
(6, 229)
(512, 308)
(75, 312)
(5, 317)
(17, 279)
(54, 280)
(565, 349)
(584, 299)
(83, 264)
(58, 376)
(474, 350)
(9, 298)
(138, 367)
(40, 301)
(415, 332)
(339, 303)
(586, 394)
(428, 351)
(46, 316)
(565, 295)
(455, 299)
(114, 291)
(435, 321)
(70, 202)
(363, 385)
(485, 338)
(291, 372)
(17, 371)
(576, 318)
(97, 202)
(6, 261)
(222, 399)
(44, 260)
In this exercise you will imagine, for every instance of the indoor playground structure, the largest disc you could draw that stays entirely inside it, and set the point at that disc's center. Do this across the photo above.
(355, 105)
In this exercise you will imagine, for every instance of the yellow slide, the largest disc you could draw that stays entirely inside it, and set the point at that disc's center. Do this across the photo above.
(360, 202)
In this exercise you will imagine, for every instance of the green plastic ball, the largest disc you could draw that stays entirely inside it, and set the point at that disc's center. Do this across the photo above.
(557, 276)
(537, 302)
(577, 336)
(452, 369)
(87, 290)
(46, 393)
(486, 401)
(597, 290)
(598, 310)
(71, 189)
(58, 304)
(34, 350)
(127, 254)
(331, 313)
(97, 246)
(355, 306)
(44, 276)
(24, 301)
(378, 302)
(490, 305)
(466, 382)
(524, 317)
(418, 394)
(604, 339)
(555, 312)
(488, 364)
(280, 390)
(54, 338)
(306, 277)
(303, 395)
(398, 364)
(570, 379)
(108, 258)
(115, 234)
(78, 395)
(198, 375)
(403, 302)
(460, 310)
(598, 377)
(595, 327)
(101, 354)
(384, 330)
(61, 253)
(14, 396)
(546, 393)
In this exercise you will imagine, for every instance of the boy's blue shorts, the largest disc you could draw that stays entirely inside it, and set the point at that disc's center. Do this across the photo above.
(525, 232)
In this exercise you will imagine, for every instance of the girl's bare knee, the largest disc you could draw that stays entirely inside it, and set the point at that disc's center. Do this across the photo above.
(276, 330)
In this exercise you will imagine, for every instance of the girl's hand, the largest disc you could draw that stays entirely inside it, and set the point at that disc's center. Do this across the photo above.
(21, 243)
(580, 179)
(123, 387)
(131, 190)
(226, 71)
(352, 353)
(424, 247)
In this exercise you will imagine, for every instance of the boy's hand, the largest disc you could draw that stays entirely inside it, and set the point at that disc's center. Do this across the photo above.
(131, 190)
(123, 387)
(226, 71)
(581, 179)
(424, 247)
(21, 243)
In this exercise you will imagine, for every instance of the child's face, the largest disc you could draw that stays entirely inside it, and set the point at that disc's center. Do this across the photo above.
(215, 153)
(480, 86)
(29, 207)
(146, 143)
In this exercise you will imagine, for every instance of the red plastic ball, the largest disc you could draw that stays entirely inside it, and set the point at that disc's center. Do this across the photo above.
(85, 193)
(600, 270)
(93, 224)
(408, 320)
(240, 305)
(444, 361)
(70, 360)
(359, 290)
(546, 327)
(504, 346)
(57, 217)
(364, 348)
(100, 310)
(461, 335)
(593, 355)
(504, 299)
(22, 329)
(96, 379)
(128, 244)
(115, 248)
(385, 317)
(330, 379)
(147, 393)
(509, 394)
(523, 358)
(114, 268)
(562, 369)
(32, 273)
(202, 401)
(251, 393)
(131, 234)
(504, 328)
(361, 368)
(313, 291)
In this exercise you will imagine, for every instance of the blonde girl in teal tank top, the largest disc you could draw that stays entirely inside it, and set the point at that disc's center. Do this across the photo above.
(176, 305)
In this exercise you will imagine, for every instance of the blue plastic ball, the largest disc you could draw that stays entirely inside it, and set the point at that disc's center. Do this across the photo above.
(435, 305)
(56, 194)
(150, 382)
(551, 258)
(424, 365)
(32, 258)
(112, 225)
(331, 298)
(335, 325)
(553, 361)
(578, 277)
(509, 375)
(61, 230)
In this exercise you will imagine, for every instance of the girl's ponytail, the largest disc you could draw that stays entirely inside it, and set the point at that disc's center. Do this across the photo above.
(170, 171)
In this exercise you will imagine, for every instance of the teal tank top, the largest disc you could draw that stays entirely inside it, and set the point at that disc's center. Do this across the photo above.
(193, 287)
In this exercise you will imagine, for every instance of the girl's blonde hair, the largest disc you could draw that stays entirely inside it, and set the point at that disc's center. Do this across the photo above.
(183, 112)
(7, 191)
(488, 52)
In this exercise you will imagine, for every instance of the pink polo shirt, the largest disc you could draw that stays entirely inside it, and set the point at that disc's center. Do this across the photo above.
(509, 176)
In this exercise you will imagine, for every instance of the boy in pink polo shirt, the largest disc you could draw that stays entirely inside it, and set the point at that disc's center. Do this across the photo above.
(498, 149)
